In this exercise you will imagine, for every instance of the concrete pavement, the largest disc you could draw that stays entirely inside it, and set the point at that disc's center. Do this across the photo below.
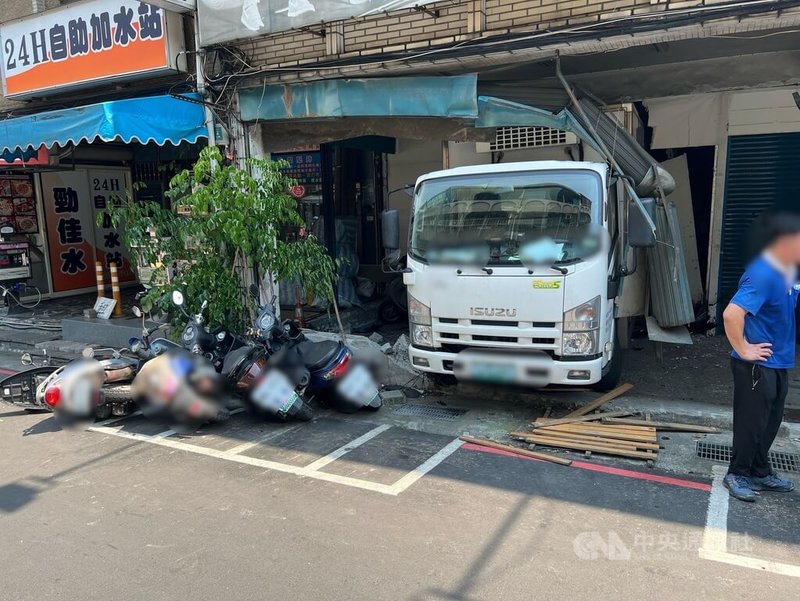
(136, 514)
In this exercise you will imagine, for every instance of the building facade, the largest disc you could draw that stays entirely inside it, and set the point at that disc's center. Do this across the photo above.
(706, 86)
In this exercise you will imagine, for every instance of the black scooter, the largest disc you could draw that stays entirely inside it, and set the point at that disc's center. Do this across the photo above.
(335, 376)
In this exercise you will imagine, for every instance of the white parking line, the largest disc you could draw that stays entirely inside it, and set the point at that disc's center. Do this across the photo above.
(715, 538)
(353, 444)
(241, 448)
(417, 473)
(309, 471)
(116, 419)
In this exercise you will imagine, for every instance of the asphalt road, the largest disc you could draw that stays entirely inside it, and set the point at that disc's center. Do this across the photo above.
(348, 508)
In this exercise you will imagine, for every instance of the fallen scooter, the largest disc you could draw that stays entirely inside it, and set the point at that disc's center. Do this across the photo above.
(335, 377)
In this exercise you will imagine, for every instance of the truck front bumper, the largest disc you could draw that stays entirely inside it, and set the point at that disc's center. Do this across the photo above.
(568, 373)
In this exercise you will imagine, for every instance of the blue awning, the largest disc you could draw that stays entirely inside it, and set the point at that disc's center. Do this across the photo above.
(497, 112)
(158, 119)
(452, 97)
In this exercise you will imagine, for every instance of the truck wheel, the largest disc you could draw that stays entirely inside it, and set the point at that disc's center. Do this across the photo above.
(612, 377)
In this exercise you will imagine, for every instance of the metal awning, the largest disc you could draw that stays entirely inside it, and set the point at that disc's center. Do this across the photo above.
(362, 101)
(450, 97)
(158, 119)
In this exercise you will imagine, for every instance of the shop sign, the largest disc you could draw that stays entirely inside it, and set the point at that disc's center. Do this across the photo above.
(71, 200)
(88, 42)
(304, 167)
(226, 20)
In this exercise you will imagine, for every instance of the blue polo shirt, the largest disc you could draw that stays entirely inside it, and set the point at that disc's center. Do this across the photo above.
(770, 300)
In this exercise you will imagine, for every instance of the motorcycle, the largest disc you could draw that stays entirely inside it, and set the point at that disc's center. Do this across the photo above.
(180, 380)
(265, 389)
(20, 388)
(334, 375)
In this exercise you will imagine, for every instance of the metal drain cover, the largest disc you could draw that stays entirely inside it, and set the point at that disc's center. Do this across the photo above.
(783, 462)
(430, 411)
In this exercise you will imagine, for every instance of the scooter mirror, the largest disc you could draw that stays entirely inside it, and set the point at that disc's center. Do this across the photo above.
(137, 311)
(88, 352)
(26, 359)
(177, 298)
(254, 292)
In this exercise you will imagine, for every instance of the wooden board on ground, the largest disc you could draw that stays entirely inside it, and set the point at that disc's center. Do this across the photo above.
(543, 422)
(570, 436)
(602, 400)
(594, 447)
(672, 426)
(643, 436)
(506, 447)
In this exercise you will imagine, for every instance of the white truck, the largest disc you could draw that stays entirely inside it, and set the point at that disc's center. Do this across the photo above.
(513, 271)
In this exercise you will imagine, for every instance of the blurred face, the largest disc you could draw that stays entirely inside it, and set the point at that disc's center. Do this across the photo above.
(787, 249)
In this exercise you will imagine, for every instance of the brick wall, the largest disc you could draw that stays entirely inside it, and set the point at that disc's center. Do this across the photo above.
(457, 20)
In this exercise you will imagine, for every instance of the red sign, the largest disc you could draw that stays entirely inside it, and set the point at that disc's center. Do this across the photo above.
(298, 191)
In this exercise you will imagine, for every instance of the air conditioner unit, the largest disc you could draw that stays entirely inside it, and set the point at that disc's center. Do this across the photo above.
(519, 138)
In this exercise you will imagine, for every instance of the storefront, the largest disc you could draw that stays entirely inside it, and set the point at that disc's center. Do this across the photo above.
(61, 169)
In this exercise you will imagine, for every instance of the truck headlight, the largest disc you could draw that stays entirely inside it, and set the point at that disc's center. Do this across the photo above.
(421, 335)
(579, 343)
(418, 313)
(583, 317)
(581, 329)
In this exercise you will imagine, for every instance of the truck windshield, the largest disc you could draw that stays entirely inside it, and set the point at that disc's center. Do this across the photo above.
(507, 218)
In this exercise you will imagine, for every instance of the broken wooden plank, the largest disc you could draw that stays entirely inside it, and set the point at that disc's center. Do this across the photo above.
(597, 448)
(541, 422)
(610, 442)
(602, 400)
(672, 426)
(511, 449)
(644, 437)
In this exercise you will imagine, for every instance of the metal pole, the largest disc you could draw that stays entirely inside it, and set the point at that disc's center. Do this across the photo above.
(201, 82)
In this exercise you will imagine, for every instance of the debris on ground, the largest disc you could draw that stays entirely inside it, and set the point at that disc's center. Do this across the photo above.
(387, 348)
(376, 337)
(505, 447)
(609, 432)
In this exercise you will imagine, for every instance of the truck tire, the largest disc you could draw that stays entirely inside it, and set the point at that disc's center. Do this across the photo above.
(613, 374)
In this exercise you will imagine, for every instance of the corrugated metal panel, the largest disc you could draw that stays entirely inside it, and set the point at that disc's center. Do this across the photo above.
(763, 173)
(669, 282)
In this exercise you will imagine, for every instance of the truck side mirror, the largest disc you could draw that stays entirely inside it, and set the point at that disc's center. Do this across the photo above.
(640, 235)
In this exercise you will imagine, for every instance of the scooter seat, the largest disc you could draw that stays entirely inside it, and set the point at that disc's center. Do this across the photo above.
(234, 360)
(316, 355)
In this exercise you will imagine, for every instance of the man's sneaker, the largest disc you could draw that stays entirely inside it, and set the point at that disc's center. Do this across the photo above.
(772, 483)
(739, 487)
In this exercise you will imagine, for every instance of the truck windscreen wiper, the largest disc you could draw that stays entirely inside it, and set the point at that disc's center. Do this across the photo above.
(561, 270)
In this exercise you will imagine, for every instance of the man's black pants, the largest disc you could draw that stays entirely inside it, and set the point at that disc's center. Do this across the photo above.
(759, 394)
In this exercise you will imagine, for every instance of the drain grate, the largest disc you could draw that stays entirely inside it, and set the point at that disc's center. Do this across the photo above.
(782, 462)
(430, 411)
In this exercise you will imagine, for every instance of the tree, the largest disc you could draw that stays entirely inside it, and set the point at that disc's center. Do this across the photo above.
(229, 218)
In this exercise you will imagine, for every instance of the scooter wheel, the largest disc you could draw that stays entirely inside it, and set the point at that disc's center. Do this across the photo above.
(304, 413)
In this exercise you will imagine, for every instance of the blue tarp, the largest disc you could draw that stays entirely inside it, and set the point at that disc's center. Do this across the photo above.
(452, 97)
(158, 119)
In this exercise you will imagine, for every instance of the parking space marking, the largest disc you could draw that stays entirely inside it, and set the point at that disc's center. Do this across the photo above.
(715, 538)
(417, 473)
(310, 471)
(262, 439)
(343, 450)
(119, 418)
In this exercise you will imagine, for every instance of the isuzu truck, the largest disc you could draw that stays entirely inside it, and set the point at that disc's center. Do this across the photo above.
(513, 271)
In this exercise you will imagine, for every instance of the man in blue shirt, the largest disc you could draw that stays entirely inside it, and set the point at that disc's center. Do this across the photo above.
(760, 326)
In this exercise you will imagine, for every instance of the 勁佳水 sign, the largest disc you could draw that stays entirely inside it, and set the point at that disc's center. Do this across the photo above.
(86, 42)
